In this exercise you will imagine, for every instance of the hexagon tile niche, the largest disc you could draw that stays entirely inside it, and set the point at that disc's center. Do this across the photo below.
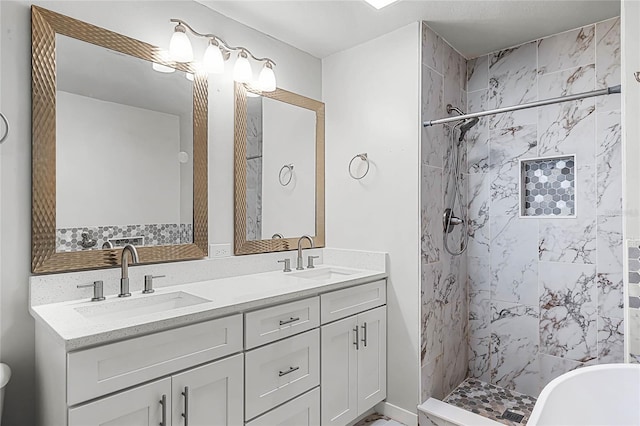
(547, 187)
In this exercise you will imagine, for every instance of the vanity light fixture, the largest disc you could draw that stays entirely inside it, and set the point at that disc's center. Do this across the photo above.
(379, 4)
(180, 46)
(216, 53)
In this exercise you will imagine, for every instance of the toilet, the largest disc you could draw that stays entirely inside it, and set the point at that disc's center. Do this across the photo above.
(5, 375)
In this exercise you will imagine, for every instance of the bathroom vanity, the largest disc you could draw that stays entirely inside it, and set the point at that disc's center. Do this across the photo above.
(303, 348)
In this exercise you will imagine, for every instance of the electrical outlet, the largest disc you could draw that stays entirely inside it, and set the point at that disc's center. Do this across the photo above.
(219, 250)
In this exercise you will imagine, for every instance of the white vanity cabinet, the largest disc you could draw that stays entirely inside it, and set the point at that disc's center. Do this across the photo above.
(319, 360)
(207, 395)
(353, 352)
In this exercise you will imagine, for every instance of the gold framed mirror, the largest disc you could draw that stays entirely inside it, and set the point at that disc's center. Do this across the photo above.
(50, 31)
(279, 170)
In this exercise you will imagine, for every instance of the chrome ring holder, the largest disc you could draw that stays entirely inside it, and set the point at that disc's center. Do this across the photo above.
(6, 124)
(288, 181)
(364, 158)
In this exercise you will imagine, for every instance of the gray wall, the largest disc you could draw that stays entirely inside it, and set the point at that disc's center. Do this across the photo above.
(149, 22)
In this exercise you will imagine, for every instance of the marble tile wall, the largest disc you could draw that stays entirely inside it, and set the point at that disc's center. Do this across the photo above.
(546, 295)
(444, 291)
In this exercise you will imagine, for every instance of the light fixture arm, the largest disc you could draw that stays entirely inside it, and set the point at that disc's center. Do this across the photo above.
(219, 40)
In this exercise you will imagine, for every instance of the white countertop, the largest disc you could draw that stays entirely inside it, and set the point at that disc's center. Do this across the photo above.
(227, 296)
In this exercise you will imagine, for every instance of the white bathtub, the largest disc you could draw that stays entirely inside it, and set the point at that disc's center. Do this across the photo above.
(602, 395)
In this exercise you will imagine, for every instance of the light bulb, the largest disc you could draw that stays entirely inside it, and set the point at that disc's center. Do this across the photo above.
(180, 46)
(267, 78)
(213, 61)
(242, 69)
(163, 68)
(189, 76)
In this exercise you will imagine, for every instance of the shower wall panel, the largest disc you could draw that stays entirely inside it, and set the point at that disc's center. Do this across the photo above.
(546, 295)
(444, 308)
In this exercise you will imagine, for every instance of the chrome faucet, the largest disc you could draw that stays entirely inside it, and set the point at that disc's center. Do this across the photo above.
(299, 262)
(124, 278)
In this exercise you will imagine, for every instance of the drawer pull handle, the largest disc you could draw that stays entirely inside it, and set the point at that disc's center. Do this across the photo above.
(289, 371)
(357, 341)
(364, 334)
(289, 321)
(163, 402)
(186, 405)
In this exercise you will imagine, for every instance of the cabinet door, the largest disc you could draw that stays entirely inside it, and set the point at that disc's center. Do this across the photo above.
(211, 395)
(372, 358)
(339, 372)
(139, 406)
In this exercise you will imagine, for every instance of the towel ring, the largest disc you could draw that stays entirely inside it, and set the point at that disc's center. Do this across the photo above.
(637, 76)
(286, 167)
(364, 158)
(6, 124)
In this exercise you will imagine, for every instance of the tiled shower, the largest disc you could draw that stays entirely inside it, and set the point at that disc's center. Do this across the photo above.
(532, 297)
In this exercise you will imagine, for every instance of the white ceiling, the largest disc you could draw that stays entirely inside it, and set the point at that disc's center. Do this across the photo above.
(473, 27)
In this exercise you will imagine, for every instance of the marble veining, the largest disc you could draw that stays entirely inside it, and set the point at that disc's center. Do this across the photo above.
(506, 148)
(610, 340)
(514, 347)
(567, 50)
(513, 81)
(433, 138)
(608, 58)
(478, 73)
(609, 159)
(514, 266)
(610, 294)
(565, 127)
(431, 214)
(478, 207)
(568, 311)
(477, 139)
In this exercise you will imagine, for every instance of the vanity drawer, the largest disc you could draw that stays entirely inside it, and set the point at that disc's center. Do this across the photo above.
(275, 323)
(108, 368)
(343, 303)
(280, 371)
(302, 411)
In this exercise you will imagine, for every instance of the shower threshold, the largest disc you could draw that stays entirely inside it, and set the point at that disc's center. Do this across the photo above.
(475, 402)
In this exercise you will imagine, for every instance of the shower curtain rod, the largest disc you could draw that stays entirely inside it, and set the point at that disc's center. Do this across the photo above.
(607, 91)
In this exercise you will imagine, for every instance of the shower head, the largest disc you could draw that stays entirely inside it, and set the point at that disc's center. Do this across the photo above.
(466, 126)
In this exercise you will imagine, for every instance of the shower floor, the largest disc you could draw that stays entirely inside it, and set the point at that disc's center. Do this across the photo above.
(492, 401)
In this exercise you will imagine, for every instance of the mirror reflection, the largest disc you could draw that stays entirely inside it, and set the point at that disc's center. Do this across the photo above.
(281, 169)
(124, 149)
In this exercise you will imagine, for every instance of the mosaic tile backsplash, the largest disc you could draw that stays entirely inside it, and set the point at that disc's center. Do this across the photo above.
(548, 186)
(92, 238)
(633, 252)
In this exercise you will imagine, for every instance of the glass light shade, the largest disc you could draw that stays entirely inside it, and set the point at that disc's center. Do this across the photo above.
(213, 61)
(180, 46)
(242, 69)
(163, 68)
(267, 78)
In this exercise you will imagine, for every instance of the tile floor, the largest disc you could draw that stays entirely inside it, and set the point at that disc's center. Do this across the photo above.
(492, 401)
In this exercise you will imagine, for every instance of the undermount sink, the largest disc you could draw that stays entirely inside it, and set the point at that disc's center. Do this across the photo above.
(130, 308)
(323, 274)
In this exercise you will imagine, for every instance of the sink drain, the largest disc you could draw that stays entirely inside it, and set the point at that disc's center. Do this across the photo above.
(514, 417)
